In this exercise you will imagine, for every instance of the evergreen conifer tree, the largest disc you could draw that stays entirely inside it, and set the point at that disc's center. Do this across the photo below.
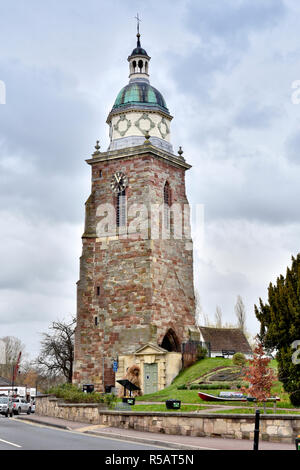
(280, 324)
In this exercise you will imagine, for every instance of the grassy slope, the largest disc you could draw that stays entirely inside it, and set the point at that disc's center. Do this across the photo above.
(196, 370)
(185, 376)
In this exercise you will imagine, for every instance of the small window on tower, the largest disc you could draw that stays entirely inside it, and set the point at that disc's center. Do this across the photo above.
(100, 173)
(167, 203)
(98, 290)
(121, 209)
(96, 321)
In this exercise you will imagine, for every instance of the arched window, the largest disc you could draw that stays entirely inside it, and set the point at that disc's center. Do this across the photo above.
(121, 209)
(170, 341)
(167, 203)
(140, 65)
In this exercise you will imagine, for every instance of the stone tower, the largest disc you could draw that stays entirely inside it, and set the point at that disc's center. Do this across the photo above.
(136, 269)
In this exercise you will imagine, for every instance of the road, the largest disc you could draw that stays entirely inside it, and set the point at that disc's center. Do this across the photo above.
(18, 435)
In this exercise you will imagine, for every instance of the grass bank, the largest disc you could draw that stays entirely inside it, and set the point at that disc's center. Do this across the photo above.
(199, 369)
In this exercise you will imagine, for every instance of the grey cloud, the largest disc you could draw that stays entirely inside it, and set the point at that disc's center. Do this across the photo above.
(224, 30)
(292, 146)
(252, 115)
(255, 188)
(45, 128)
(233, 20)
(45, 119)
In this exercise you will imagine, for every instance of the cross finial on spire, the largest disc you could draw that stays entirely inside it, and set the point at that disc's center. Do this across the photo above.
(138, 20)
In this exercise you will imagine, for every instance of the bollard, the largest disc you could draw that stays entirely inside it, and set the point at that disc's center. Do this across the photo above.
(256, 430)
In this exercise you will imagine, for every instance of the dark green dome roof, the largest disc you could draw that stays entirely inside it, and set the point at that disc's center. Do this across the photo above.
(140, 94)
(139, 51)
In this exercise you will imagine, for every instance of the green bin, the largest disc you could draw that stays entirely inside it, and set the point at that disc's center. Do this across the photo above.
(173, 404)
(128, 400)
(297, 442)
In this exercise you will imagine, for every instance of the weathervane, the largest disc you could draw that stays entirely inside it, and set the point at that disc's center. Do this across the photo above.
(138, 20)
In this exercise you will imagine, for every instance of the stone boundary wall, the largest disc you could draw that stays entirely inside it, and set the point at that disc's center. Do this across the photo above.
(273, 428)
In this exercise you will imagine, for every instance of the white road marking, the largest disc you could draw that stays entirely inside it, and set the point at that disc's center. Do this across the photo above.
(45, 426)
(10, 443)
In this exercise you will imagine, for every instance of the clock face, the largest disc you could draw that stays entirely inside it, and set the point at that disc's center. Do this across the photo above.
(118, 182)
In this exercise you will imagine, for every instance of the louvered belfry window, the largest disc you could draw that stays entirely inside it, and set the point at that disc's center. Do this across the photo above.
(167, 203)
(121, 209)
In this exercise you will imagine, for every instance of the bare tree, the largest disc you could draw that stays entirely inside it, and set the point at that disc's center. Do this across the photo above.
(240, 312)
(206, 320)
(13, 346)
(198, 308)
(218, 317)
(57, 352)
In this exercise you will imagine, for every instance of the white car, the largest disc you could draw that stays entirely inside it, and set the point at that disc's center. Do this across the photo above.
(33, 407)
(20, 405)
(6, 406)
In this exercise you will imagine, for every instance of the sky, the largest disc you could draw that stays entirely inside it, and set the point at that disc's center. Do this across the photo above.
(228, 72)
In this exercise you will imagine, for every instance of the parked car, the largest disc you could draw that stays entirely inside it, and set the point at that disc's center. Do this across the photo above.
(20, 405)
(6, 406)
(33, 407)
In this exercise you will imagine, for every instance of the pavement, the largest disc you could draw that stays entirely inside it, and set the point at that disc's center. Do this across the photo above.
(152, 439)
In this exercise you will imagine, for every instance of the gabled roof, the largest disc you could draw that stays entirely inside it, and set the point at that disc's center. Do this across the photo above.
(4, 382)
(226, 339)
(150, 348)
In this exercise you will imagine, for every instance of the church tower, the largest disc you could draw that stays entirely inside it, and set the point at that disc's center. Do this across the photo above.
(135, 295)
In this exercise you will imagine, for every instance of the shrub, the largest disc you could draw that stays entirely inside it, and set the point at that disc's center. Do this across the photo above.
(295, 398)
(195, 387)
(201, 353)
(223, 386)
(182, 387)
(238, 359)
(72, 394)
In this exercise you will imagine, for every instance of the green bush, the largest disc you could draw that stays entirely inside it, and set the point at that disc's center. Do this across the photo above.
(72, 394)
(222, 386)
(195, 387)
(182, 387)
(239, 359)
(201, 353)
(295, 398)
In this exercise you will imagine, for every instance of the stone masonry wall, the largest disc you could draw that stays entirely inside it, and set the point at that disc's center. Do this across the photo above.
(273, 428)
(146, 285)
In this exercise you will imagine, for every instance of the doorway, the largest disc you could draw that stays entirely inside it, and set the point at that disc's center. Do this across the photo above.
(150, 378)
